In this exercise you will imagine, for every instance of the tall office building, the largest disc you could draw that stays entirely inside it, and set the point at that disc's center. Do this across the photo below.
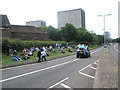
(76, 17)
(36, 23)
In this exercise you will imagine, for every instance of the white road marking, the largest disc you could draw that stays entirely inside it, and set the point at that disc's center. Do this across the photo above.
(95, 63)
(87, 67)
(86, 75)
(25, 74)
(116, 49)
(93, 68)
(84, 68)
(19, 66)
(65, 86)
(58, 83)
(36, 63)
(37, 71)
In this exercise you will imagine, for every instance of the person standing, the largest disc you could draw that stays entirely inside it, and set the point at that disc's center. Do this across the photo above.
(39, 56)
(43, 53)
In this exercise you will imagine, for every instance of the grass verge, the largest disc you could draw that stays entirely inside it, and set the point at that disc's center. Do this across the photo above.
(7, 60)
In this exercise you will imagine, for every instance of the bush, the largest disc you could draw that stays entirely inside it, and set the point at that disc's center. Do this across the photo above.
(17, 44)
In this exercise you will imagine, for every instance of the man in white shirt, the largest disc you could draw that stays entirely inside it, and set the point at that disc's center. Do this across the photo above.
(43, 54)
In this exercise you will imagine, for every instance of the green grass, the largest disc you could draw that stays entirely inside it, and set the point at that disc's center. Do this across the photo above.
(7, 60)
(59, 54)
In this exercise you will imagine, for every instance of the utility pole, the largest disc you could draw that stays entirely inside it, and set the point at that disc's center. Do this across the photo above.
(104, 24)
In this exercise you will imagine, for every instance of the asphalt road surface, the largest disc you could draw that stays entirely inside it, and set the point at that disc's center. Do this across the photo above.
(67, 72)
(115, 52)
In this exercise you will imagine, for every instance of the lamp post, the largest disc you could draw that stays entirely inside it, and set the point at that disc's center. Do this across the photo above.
(104, 23)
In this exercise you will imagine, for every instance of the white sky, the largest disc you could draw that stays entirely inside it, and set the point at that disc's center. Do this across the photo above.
(20, 11)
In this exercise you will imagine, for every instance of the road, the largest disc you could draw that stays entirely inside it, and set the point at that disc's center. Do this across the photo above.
(67, 72)
(115, 51)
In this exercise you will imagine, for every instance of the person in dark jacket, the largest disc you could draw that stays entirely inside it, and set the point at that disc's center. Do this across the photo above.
(39, 56)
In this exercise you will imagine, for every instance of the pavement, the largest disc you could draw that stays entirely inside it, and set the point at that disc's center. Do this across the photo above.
(107, 70)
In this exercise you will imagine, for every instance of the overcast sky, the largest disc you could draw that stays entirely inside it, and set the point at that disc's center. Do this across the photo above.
(20, 11)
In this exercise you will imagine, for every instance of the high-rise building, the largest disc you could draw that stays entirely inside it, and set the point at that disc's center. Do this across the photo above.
(107, 35)
(76, 17)
(36, 23)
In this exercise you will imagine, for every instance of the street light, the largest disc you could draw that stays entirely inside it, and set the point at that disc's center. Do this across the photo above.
(104, 23)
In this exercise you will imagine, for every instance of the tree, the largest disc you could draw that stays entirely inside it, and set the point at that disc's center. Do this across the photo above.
(84, 36)
(100, 39)
(53, 33)
(116, 40)
(95, 38)
(69, 32)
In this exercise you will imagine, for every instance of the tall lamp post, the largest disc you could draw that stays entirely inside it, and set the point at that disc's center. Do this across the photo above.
(104, 23)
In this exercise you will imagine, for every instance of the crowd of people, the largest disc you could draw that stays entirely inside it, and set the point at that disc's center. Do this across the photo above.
(42, 52)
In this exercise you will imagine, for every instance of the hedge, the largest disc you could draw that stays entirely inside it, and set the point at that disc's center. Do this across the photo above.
(17, 44)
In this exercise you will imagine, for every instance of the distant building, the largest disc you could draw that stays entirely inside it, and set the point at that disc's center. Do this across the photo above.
(75, 17)
(4, 22)
(22, 32)
(36, 23)
(107, 35)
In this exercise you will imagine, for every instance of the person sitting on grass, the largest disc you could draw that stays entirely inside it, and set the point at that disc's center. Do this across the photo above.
(50, 48)
(54, 51)
(62, 51)
(70, 50)
(16, 58)
(30, 53)
(25, 57)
